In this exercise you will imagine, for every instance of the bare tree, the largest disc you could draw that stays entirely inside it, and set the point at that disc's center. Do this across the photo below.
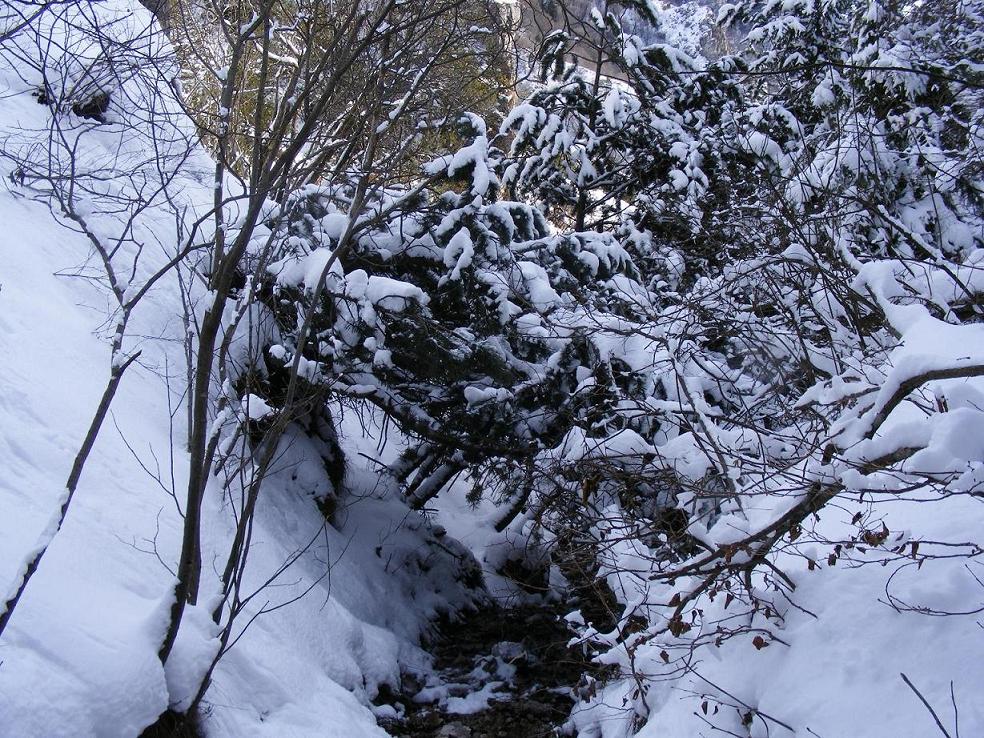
(338, 97)
(88, 70)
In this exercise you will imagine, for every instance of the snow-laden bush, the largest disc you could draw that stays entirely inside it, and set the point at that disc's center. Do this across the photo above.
(720, 318)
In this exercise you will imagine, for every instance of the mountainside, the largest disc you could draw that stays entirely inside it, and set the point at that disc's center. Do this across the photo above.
(344, 394)
(80, 658)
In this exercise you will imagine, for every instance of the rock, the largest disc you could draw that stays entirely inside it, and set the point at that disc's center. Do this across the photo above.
(538, 708)
(459, 690)
(455, 730)
(410, 683)
(509, 651)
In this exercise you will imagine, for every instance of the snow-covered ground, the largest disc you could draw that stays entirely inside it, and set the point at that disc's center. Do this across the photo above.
(80, 655)
(835, 668)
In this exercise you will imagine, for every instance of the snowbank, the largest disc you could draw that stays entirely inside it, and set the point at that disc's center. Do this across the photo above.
(348, 603)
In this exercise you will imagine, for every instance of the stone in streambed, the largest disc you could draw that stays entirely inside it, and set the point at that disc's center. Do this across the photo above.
(455, 730)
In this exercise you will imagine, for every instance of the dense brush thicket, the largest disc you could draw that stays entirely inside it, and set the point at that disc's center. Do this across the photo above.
(675, 311)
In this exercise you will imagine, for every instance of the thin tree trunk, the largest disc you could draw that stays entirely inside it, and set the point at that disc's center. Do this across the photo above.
(186, 587)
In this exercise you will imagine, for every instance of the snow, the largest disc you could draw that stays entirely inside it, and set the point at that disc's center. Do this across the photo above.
(351, 596)
(307, 269)
(845, 663)
(459, 253)
(536, 285)
(393, 294)
(474, 701)
(79, 657)
(839, 652)
(474, 157)
(256, 408)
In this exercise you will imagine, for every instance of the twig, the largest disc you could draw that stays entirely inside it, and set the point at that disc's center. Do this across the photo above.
(928, 706)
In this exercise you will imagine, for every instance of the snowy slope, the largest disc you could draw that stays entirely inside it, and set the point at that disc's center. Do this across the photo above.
(839, 669)
(341, 608)
(865, 616)
(79, 657)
